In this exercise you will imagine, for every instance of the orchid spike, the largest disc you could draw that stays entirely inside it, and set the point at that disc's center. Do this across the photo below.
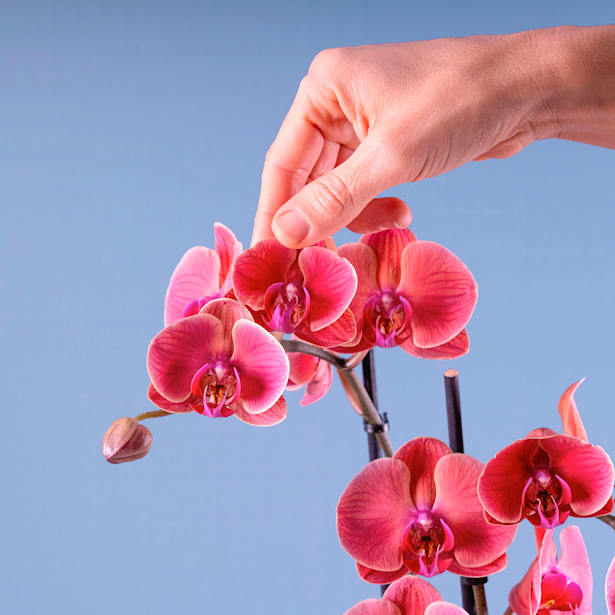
(219, 362)
(413, 294)
(201, 275)
(314, 373)
(306, 292)
(547, 477)
(553, 585)
(419, 512)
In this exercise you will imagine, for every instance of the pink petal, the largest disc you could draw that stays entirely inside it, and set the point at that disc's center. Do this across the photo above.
(586, 468)
(412, 595)
(276, 414)
(421, 456)
(302, 368)
(574, 563)
(262, 365)
(373, 513)
(179, 351)
(266, 263)
(571, 419)
(525, 597)
(319, 385)
(380, 577)
(476, 542)
(374, 607)
(444, 608)
(440, 289)
(497, 565)
(452, 349)
(609, 588)
(501, 484)
(164, 404)
(228, 312)
(331, 282)
(340, 332)
(228, 249)
(388, 246)
(195, 276)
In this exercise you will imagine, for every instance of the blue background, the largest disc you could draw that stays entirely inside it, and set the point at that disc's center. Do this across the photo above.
(126, 130)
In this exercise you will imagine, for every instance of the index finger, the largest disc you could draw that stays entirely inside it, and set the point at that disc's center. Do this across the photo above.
(288, 164)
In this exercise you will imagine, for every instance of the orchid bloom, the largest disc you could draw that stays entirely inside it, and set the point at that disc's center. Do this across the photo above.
(551, 586)
(546, 477)
(201, 275)
(419, 512)
(407, 596)
(314, 373)
(306, 292)
(416, 294)
(609, 588)
(219, 362)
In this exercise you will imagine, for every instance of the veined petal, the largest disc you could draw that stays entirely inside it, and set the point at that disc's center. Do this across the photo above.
(476, 542)
(373, 606)
(319, 384)
(276, 414)
(609, 588)
(586, 468)
(412, 595)
(452, 349)
(228, 312)
(262, 365)
(228, 249)
(164, 404)
(571, 419)
(388, 246)
(444, 608)
(331, 282)
(373, 513)
(574, 563)
(440, 289)
(179, 351)
(421, 456)
(195, 276)
(336, 334)
(380, 577)
(267, 262)
(503, 479)
(524, 598)
(497, 565)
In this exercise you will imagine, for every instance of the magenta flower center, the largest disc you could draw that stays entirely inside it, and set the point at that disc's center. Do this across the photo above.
(388, 314)
(286, 306)
(194, 307)
(214, 387)
(425, 540)
(559, 593)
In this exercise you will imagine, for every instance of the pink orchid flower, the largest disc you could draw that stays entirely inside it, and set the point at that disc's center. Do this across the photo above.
(413, 294)
(306, 292)
(312, 372)
(408, 596)
(547, 477)
(419, 512)
(219, 362)
(552, 586)
(609, 588)
(201, 275)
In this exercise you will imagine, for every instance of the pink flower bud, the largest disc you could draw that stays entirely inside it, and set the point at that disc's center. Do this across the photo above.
(126, 440)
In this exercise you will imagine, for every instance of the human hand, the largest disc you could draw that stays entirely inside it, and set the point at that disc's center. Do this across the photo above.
(368, 118)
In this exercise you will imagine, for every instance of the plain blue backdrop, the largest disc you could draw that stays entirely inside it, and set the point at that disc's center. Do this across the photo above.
(126, 130)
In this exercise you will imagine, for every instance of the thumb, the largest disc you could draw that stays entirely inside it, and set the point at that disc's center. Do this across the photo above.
(335, 199)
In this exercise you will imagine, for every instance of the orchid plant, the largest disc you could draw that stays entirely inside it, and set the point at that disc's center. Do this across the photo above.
(243, 326)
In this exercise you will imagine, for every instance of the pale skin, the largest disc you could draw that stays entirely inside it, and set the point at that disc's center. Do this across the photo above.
(368, 118)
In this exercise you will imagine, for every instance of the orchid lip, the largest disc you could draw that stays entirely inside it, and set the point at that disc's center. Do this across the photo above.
(425, 540)
(546, 495)
(388, 314)
(215, 387)
(287, 306)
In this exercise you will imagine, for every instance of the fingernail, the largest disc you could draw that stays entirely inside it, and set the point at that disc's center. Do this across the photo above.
(291, 225)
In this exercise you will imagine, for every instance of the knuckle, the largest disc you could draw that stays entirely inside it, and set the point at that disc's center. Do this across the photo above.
(326, 59)
(332, 195)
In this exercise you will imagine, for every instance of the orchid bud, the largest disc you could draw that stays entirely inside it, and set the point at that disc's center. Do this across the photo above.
(126, 440)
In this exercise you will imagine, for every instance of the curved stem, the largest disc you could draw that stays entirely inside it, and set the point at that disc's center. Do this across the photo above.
(608, 519)
(153, 414)
(368, 410)
(508, 611)
(480, 599)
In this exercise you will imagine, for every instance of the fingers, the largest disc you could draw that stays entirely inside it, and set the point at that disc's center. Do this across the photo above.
(380, 214)
(335, 199)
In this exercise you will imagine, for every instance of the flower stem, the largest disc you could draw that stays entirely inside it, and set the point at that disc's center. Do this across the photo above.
(368, 410)
(608, 519)
(508, 611)
(480, 599)
(154, 414)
